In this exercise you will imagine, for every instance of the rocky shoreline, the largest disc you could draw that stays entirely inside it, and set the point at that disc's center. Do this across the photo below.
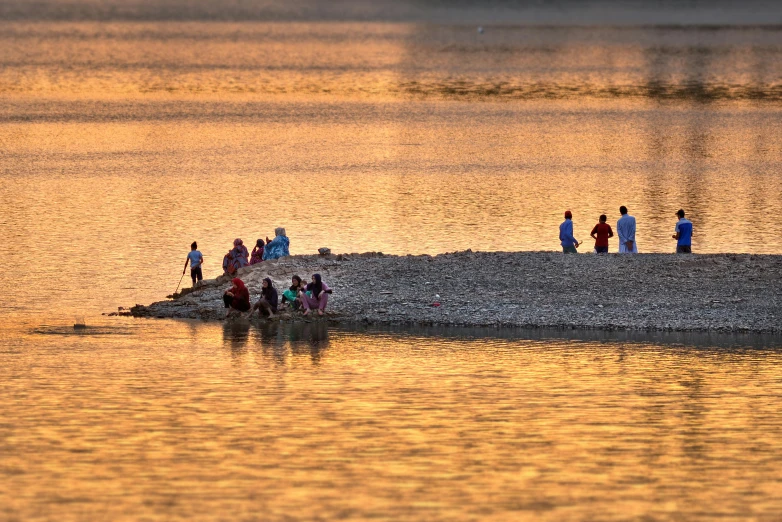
(652, 292)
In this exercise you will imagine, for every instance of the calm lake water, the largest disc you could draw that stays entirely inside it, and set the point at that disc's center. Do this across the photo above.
(164, 420)
(130, 129)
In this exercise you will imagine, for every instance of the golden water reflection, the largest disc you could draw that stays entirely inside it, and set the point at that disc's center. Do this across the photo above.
(122, 142)
(378, 59)
(123, 200)
(197, 421)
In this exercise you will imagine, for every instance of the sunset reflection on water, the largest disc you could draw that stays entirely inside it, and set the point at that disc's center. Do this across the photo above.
(195, 421)
(413, 177)
(123, 141)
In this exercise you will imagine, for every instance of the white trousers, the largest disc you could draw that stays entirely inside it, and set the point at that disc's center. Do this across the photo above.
(623, 248)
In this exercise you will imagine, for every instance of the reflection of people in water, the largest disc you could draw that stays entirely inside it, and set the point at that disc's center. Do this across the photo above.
(270, 333)
(236, 334)
(309, 338)
(277, 342)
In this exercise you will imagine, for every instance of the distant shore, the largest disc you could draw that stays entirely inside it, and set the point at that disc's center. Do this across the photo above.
(653, 292)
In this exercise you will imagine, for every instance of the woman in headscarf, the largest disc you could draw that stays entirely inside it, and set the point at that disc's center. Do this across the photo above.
(240, 255)
(257, 254)
(237, 298)
(267, 304)
(228, 267)
(318, 295)
(236, 258)
(291, 295)
(277, 247)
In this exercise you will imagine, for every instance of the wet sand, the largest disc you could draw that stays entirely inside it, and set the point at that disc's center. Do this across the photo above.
(652, 292)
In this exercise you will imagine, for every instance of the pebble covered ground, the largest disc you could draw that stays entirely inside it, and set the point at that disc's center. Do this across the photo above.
(721, 292)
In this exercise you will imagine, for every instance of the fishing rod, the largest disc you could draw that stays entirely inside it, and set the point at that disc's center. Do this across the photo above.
(180, 282)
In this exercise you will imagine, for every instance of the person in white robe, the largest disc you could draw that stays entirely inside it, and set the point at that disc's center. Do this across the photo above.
(625, 229)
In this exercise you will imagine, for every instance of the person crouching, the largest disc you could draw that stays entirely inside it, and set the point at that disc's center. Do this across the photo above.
(237, 298)
(319, 295)
(291, 295)
(267, 304)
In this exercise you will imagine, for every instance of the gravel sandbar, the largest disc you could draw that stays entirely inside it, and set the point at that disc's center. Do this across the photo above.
(720, 292)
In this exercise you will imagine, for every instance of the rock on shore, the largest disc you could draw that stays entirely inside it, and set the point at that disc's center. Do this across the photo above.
(721, 292)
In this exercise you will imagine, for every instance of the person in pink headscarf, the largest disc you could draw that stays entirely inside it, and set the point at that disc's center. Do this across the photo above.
(236, 258)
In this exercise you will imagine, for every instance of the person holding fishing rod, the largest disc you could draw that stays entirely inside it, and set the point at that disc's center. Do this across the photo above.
(196, 260)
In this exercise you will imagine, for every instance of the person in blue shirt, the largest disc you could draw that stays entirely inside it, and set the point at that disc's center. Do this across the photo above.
(683, 234)
(568, 242)
(195, 259)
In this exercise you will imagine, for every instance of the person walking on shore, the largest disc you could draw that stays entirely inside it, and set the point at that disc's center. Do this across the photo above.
(195, 259)
(625, 228)
(568, 242)
(683, 235)
(319, 295)
(600, 234)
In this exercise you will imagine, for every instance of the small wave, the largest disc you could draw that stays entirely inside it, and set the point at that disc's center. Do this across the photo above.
(83, 330)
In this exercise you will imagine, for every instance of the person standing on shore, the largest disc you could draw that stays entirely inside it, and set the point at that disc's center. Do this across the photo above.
(568, 242)
(683, 235)
(625, 228)
(600, 234)
(195, 259)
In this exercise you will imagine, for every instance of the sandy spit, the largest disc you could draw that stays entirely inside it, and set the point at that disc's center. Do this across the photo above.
(663, 292)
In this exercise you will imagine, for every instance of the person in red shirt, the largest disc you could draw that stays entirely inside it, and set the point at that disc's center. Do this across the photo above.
(601, 233)
(236, 298)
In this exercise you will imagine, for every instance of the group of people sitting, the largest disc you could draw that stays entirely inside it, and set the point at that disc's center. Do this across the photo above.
(238, 257)
(298, 297)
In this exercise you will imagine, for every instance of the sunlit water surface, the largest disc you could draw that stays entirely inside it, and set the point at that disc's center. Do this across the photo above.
(121, 142)
(124, 141)
(162, 420)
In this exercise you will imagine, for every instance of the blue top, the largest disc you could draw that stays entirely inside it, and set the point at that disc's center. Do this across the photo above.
(276, 248)
(566, 233)
(625, 227)
(684, 229)
(195, 258)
